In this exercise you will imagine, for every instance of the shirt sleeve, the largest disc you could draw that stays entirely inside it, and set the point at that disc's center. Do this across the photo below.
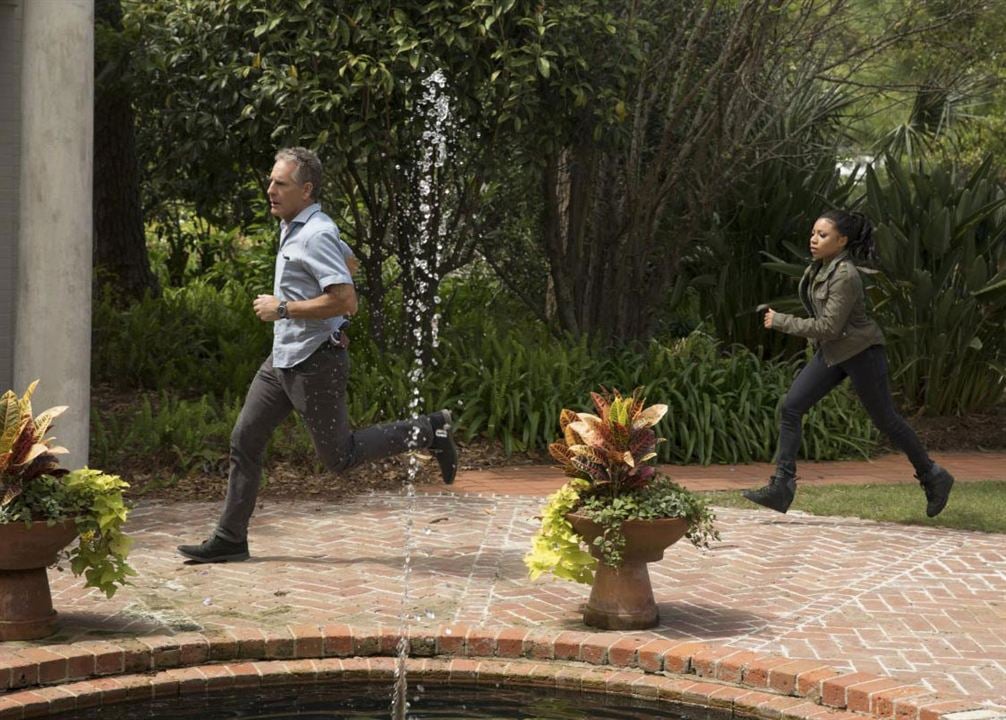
(347, 252)
(844, 287)
(326, 259)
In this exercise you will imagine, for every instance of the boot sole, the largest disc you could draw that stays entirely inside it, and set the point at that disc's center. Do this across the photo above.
(448, 471)
(237, 557)
(765, 505)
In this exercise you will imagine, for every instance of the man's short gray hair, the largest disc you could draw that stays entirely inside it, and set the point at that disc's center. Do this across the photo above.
(308, 167)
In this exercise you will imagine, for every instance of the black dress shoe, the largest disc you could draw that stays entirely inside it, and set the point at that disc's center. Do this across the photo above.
(443, 445)
(937, 483)
(216, 550)
(777, 495)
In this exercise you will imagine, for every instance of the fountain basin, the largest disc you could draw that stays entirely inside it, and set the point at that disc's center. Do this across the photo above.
(60, 679)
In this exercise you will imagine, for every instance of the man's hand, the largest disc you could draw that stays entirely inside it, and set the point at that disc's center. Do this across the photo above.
(769, 316)
(335, 300)
(266, 307)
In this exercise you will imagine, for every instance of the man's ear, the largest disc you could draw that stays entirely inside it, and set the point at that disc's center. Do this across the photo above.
(309, 188)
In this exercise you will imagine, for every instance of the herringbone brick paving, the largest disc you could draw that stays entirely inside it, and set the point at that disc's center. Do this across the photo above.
(885, 469)
(922, 604)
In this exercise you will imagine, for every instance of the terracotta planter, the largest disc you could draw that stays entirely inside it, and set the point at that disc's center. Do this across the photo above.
(26, 611)
(622, 598)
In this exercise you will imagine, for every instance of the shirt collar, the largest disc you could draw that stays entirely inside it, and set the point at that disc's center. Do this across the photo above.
(302, 217)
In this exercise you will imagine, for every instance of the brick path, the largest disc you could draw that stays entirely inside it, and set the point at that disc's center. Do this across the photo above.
(921, 604)
(886, 469)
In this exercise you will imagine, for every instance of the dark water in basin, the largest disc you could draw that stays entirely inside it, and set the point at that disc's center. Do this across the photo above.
(355, 701)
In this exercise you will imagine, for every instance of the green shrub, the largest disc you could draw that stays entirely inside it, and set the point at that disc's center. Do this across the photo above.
(725, 406)
(184, 432)
(942, 293)
(198, 338)
(512, 386)
(195, 351)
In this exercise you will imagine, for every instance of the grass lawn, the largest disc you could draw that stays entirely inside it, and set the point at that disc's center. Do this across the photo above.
(972, 506)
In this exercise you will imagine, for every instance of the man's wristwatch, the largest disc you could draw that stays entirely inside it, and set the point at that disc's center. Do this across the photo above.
(282, 311)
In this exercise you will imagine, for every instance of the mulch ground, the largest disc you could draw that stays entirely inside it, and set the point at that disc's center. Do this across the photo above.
(304, 479)
(976, 431)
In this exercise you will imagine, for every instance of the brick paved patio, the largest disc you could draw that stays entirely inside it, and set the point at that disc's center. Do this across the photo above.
(923, 605)
(883, 470)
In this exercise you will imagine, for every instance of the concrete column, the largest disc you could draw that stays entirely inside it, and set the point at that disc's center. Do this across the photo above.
(53, 315)
(10, 156)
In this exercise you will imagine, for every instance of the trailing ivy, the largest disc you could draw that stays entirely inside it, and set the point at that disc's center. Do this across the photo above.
(34, 488)
(94, 501)
(661, 498)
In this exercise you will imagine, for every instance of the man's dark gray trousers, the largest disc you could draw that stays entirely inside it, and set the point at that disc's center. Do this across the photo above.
(316, 389)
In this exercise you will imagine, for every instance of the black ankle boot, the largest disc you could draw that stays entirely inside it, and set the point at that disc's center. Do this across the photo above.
(937, 483)
(777, 495)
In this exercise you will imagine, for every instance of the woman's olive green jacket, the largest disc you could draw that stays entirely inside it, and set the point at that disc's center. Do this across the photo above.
(833, 296)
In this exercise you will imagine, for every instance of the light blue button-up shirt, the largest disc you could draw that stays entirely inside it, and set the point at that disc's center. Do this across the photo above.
(311, 257)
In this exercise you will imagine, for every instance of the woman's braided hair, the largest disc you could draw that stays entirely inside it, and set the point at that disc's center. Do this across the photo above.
(858, 228)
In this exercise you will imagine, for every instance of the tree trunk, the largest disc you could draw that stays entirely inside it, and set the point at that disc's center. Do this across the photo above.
(120, 249)
(606, 262)
(556, 187)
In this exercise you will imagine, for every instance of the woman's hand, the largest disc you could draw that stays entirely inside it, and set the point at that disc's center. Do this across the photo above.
(769, 316)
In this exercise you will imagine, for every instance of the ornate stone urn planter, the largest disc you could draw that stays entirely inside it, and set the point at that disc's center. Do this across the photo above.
(621, 598)
(26, 611)
(614, 492)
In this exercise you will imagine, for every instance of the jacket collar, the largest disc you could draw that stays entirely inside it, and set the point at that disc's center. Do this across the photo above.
(826, 270)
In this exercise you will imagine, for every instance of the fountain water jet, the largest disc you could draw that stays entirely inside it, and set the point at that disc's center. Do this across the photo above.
(434, 107)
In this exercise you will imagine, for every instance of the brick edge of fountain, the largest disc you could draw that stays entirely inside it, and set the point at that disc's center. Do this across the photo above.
(36, 681)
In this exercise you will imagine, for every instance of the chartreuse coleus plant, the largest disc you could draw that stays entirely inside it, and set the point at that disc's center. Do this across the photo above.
(556, 548)
(609, 460)
(33, 488)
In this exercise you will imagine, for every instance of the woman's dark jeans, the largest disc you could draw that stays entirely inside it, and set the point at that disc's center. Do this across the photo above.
(868, 373)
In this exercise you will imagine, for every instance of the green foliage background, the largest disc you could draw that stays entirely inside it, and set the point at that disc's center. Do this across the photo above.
(506, 381)
(570, 260)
